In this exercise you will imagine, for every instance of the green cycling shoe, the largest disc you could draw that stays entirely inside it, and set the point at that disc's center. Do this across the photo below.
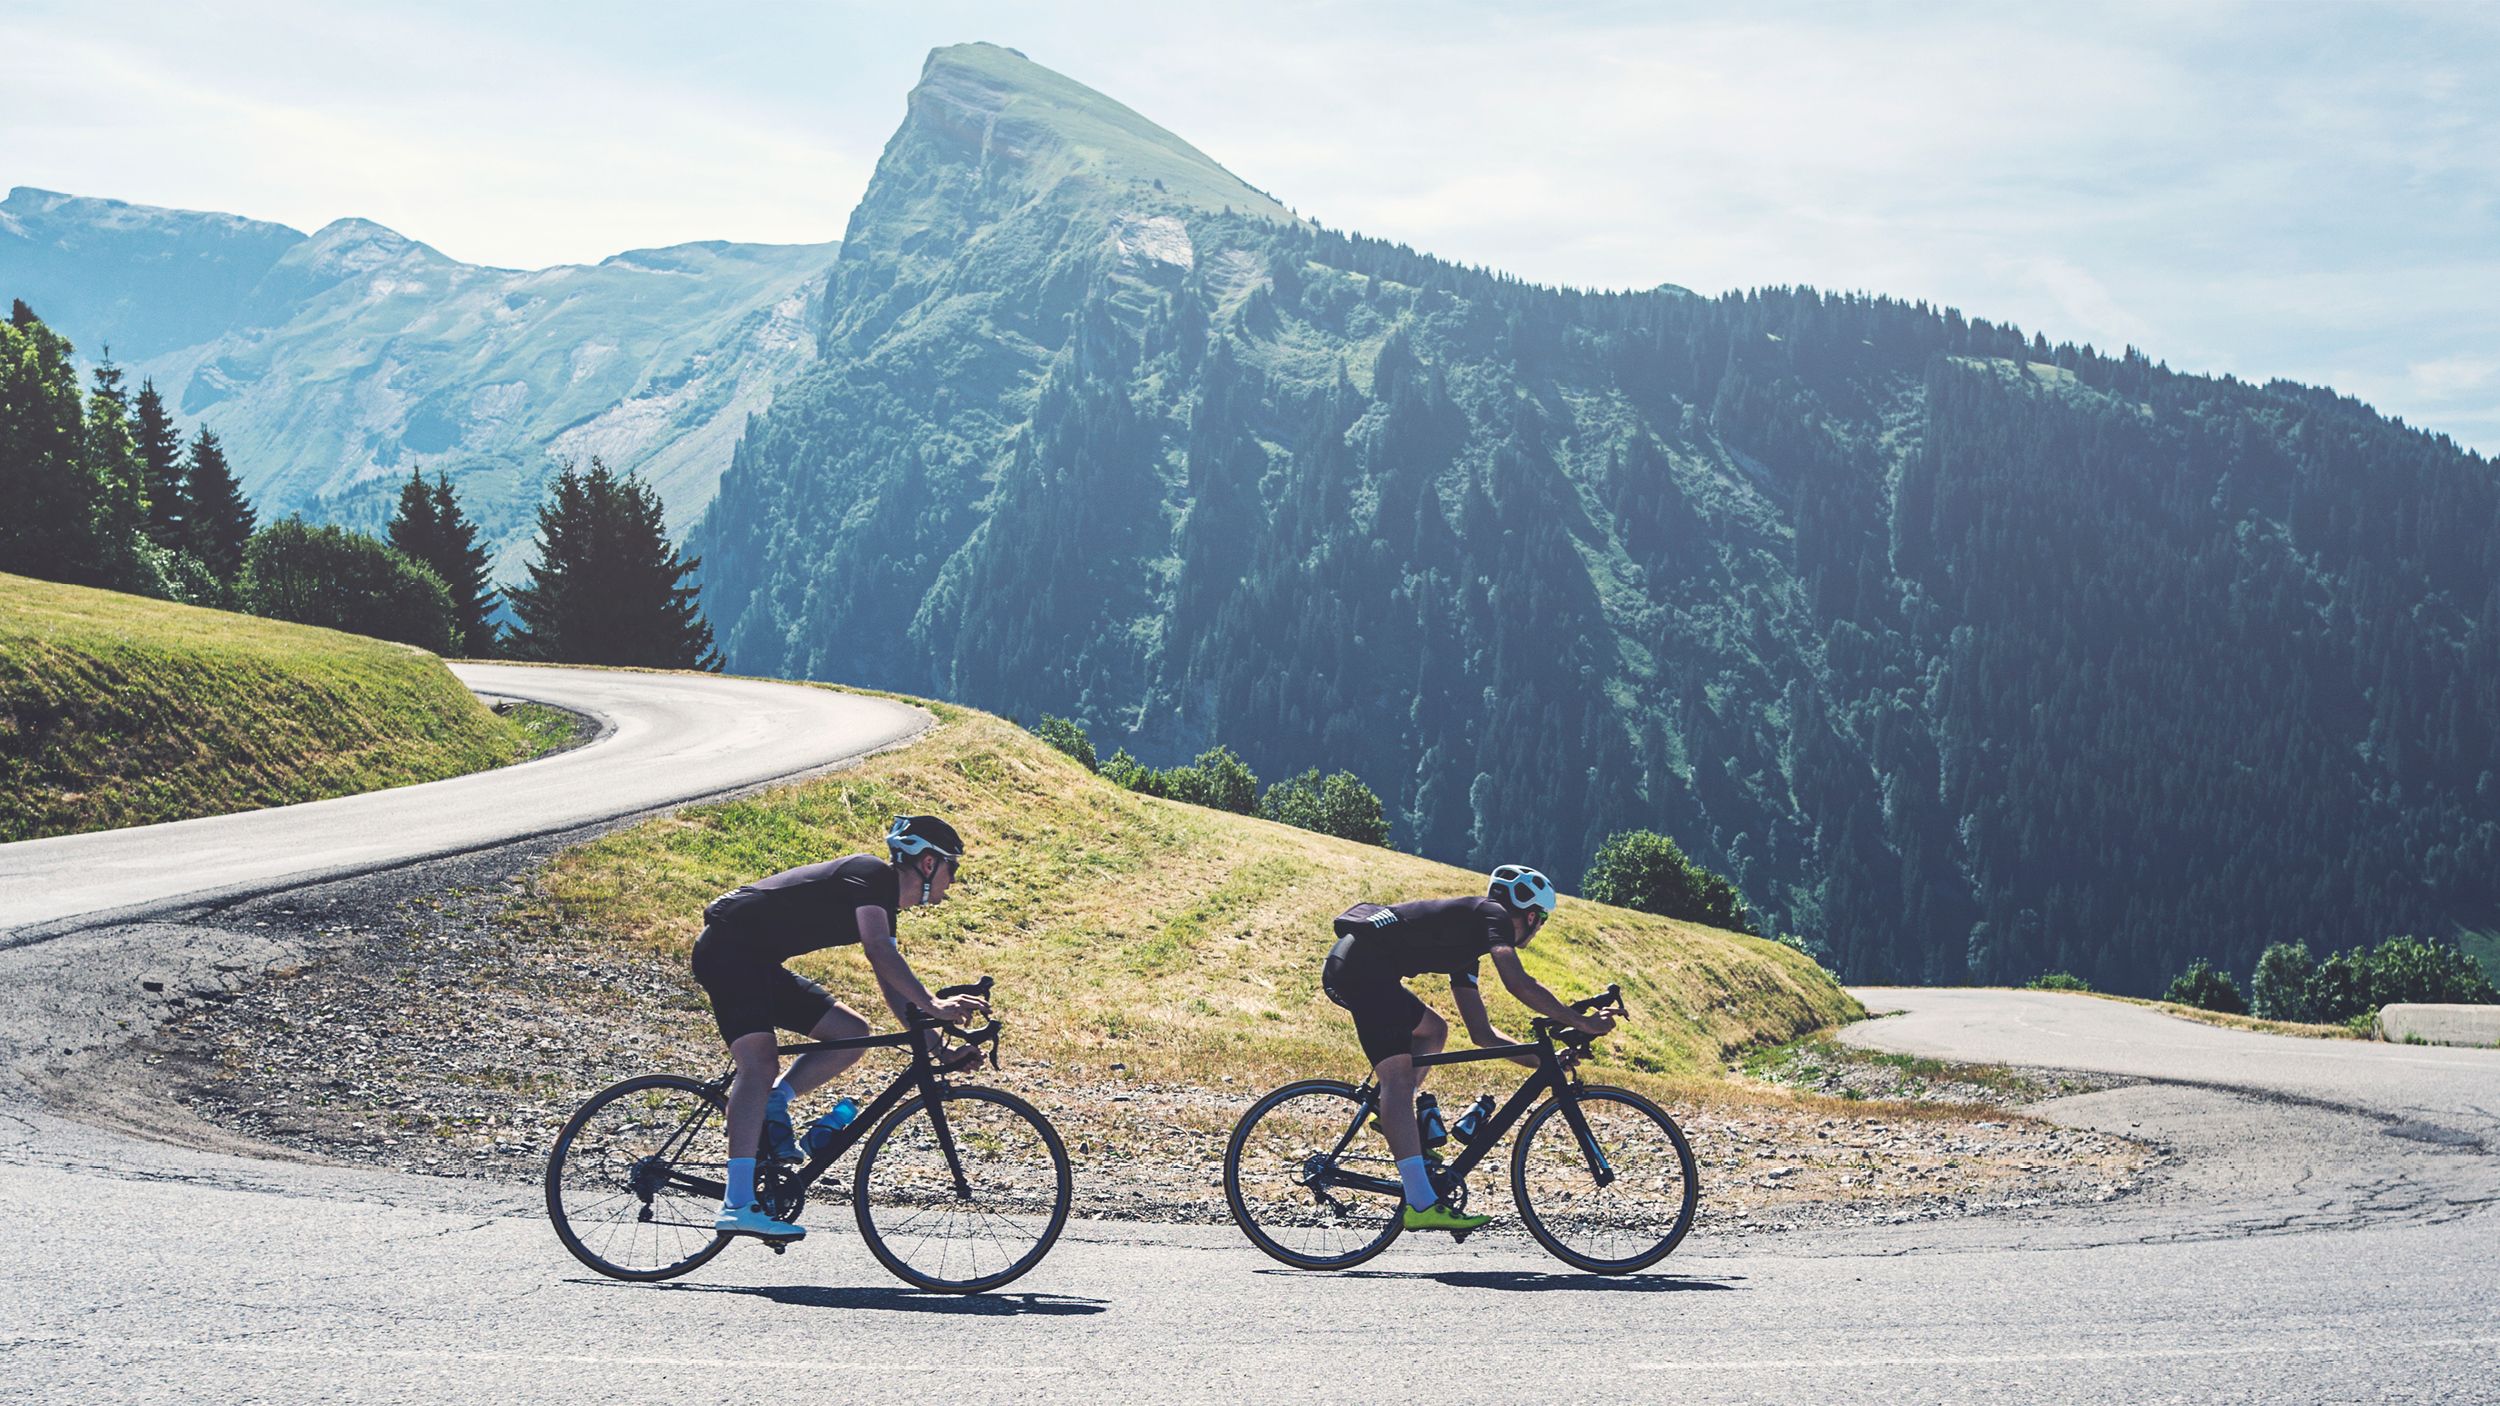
(1439, 1216)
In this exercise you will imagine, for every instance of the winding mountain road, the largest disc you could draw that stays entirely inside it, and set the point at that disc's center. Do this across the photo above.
(2322, 1230)
(664, 739)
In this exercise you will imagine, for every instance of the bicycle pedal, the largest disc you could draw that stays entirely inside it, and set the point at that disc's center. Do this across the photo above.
(780, 1247)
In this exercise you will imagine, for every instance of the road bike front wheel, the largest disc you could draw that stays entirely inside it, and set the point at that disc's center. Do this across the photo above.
(1308, 1183)
(1605, 1224)
(636, 1177)
(963, 1193)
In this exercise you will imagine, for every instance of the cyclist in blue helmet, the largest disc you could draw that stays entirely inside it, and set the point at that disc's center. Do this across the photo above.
(1379, 947)
(750, 931)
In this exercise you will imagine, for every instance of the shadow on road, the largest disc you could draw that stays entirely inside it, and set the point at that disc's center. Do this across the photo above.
(1533, 1281)
(899, 1300)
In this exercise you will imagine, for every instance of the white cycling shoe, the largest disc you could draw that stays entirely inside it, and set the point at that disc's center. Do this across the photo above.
(751, 1220)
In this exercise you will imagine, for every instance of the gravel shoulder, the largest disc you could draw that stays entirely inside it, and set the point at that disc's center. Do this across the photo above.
(433, 1021)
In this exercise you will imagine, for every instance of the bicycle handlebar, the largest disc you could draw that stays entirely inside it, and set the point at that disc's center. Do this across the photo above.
(1607, 1002)
(987, 1033)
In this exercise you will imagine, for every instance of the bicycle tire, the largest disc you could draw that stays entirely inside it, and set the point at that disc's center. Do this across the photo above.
(1304, 1128)
(677, 1246)
(916, 1184)
(1542, 1222)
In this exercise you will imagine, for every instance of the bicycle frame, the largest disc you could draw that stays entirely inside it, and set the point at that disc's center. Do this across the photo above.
(1550, 1077)
(921, 1076)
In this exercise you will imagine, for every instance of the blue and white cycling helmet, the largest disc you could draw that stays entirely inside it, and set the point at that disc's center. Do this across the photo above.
(912, 835)
(1523, 890)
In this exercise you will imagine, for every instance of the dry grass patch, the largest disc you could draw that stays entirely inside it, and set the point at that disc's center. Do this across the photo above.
(1181, 943)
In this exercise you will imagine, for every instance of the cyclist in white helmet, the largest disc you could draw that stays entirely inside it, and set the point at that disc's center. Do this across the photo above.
(750, 931)
(1378, 947)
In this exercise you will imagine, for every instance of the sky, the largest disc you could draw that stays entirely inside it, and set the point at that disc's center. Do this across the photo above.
(2267, 189)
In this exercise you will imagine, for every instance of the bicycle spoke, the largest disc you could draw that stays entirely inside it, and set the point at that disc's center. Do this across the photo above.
(1272, 1172)
(995, 1224)
(1607, 1224)
(610, 1187)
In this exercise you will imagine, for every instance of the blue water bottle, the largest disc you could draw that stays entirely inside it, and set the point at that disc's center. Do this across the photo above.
(821, 1133)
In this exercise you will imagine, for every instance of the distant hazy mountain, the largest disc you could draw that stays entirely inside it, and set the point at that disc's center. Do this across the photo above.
(1968, 654)
(332, 362)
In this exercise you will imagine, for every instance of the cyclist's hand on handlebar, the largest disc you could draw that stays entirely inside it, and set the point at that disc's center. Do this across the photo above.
(955, 1010)
(1593, 1024)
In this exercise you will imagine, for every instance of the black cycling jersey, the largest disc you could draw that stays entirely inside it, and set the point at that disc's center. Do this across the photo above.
(804, 909)
(1449, 935)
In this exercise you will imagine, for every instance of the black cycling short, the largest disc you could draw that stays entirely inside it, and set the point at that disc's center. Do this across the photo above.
(1385, 1012)
(750, 994)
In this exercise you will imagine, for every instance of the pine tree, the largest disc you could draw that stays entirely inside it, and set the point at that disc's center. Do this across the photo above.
(607, 587)
(217, 521)
(47, 524)
(413, 527)
(430, 527)
(160, 466)
(115, 480)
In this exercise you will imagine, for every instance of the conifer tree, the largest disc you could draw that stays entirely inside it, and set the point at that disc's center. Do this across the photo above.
(217, 521)
(118, 500)
(430, 527)
(47, 526)
(160, 465)
(607, 587)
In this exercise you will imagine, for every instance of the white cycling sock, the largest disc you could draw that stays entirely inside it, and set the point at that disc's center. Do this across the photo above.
(1419, 1192)
(741, 1184)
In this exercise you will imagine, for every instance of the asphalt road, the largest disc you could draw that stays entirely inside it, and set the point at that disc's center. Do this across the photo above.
(665, 738)
(2322, 1230)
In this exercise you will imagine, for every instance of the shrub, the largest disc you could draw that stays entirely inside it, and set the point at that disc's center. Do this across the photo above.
(2207, 989)
(1815, 951)
(1068, 738)
(1341, 806)
(2057, 981)
(2411, 969)
(343, 580)
(2339, 987)
(1218, 780)
(2279, 988)
(1644, 869)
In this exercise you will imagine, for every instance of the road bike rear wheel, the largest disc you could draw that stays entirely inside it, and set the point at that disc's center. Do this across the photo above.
(636, 1177)
(972, 1220)
(1636, 1217)
(1281, 1169)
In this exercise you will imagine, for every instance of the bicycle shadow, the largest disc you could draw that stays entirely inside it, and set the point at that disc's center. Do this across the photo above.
(898, 1300)
(1537, 1281)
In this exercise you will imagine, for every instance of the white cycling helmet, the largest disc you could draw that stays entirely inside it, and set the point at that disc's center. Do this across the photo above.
(1523, 889)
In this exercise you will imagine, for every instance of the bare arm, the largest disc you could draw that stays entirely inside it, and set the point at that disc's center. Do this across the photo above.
(902, 990)
(1480, 1027)
(1532, 994)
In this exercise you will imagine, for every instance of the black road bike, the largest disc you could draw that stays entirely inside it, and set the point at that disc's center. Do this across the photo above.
(958, 1188)
(1603, 1177)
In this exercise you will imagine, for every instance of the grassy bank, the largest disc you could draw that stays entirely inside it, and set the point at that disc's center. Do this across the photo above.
(2228, 1021)
(118, 710)
(1171, 940)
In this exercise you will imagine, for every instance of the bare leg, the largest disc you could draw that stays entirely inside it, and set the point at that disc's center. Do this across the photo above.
(1400, 1079)
(813, 1069)
(758, 1059)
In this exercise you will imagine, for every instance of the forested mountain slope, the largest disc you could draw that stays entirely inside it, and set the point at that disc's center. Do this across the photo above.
(332, 363)
(1966, 654)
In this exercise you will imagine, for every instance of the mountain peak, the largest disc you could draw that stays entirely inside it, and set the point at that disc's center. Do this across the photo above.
(353, 246)
(991, 108)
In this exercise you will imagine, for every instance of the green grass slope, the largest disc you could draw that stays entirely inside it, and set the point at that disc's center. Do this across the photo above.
(1177, 941)
(117, 710)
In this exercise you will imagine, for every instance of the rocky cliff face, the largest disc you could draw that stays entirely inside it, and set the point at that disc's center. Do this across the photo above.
(1965, 654)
